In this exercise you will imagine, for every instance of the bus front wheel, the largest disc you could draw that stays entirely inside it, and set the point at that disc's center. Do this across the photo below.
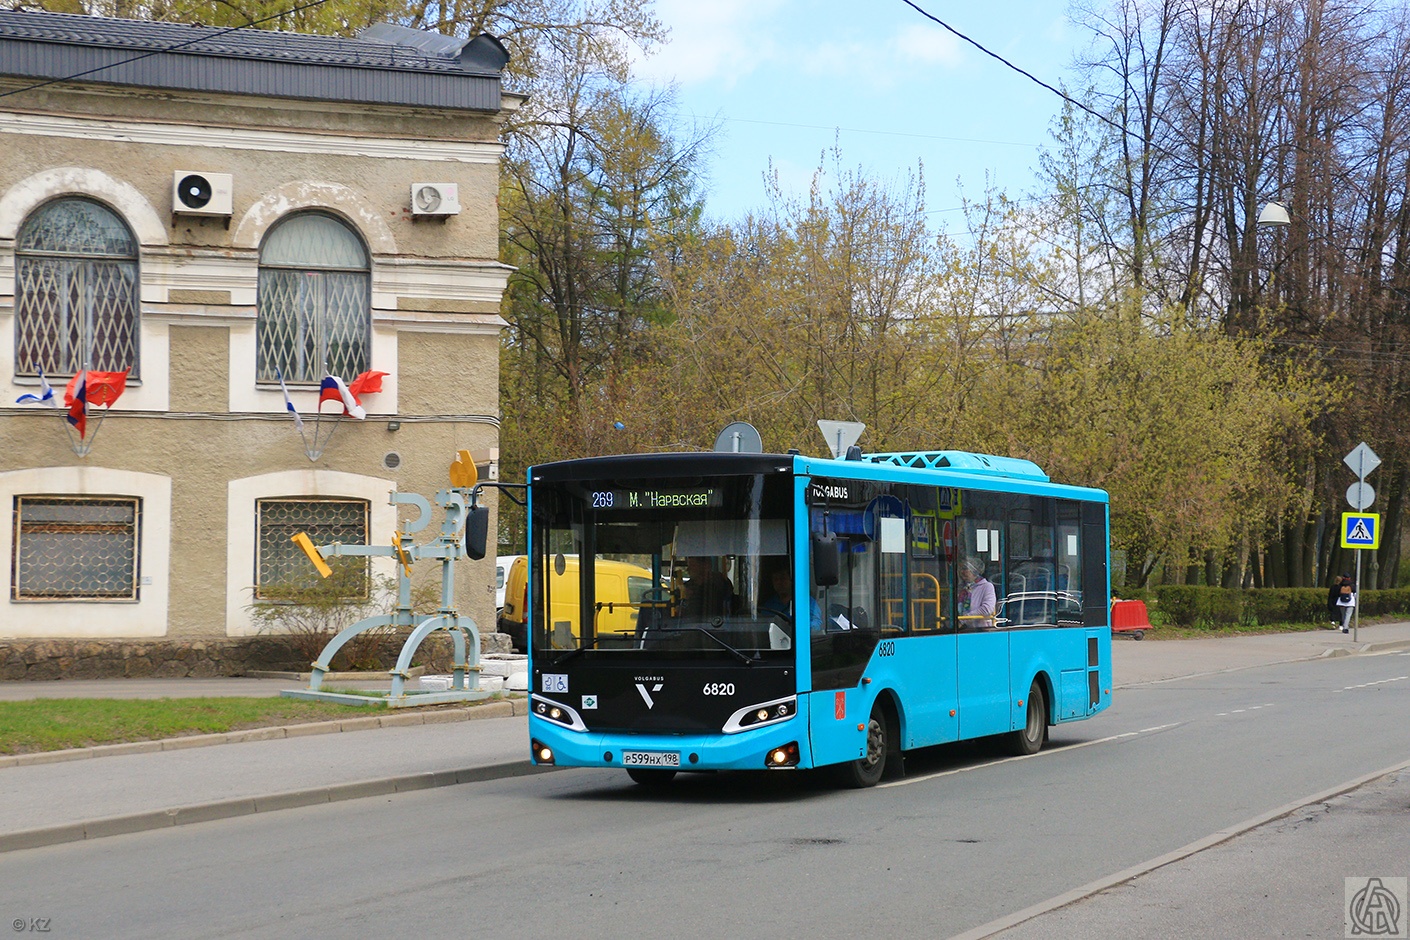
(1030, 738)
(651, 778)
(867, 771)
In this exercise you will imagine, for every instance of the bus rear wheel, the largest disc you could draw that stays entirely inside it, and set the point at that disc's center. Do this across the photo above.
(867, 771)
(651, 778)
(1034, 734)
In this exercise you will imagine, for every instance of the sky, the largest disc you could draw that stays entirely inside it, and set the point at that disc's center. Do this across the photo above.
(786, 79)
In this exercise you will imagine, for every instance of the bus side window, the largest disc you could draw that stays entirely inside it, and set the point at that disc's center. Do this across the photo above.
(1032, 598)
(1068, 560)
(979, 560)
(931, 539)
(1096, 608)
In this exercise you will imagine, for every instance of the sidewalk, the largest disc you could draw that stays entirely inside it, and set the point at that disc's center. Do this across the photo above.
(130, 788)
(1137, 662)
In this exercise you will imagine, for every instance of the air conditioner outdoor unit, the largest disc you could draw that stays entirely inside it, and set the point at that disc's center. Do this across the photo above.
(195, 192)
(433, 199)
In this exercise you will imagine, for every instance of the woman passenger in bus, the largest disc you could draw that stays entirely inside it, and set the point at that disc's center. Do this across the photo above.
(979, 600)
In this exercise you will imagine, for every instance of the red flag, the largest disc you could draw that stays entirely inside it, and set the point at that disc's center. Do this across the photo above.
(367, 383)
(104, 388)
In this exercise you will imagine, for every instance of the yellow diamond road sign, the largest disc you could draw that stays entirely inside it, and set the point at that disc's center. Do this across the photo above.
(1360, 530)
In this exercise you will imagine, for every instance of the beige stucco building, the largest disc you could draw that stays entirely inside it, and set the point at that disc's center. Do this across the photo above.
(332, 256)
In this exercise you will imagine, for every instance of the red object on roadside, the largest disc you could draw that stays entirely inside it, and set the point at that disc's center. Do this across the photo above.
(1130, 617)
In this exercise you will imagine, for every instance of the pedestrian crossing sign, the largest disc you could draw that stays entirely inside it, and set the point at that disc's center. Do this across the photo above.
(1360, 530)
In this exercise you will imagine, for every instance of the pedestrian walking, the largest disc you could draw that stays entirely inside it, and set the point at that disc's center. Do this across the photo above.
(1346, 601)
(1334, 593)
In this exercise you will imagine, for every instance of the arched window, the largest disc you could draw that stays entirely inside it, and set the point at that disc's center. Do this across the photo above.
(76, 297)
(315, 315)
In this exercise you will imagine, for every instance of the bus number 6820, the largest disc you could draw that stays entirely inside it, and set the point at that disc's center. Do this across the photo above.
(719, 688)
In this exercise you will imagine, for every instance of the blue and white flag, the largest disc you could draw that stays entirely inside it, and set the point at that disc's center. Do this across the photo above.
(45, 396)
(298, 419)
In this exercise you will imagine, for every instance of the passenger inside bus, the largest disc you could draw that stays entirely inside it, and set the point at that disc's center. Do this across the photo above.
(707, 593)
(978, 599)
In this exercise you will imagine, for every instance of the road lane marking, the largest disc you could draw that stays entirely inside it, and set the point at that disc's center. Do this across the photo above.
(999, 925)
(1367, 685)
(1237, 711)
(1006, 760)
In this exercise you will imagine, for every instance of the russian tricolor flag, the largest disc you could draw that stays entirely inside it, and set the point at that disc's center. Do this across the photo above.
(335, 389)
(76, 398)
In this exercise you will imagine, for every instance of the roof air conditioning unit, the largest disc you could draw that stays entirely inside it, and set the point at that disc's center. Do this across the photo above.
(194, 192)
(435, 199)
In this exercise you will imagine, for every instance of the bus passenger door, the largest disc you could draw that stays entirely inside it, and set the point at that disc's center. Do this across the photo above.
(927, 654)
(983, 643)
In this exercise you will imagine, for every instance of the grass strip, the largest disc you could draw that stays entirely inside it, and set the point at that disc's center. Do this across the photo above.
(53, 724)
(1172, 632)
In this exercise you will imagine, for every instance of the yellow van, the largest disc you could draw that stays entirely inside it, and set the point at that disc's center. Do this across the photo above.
(620, 587)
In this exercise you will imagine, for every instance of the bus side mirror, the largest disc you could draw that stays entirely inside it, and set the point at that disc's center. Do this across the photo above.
(827, 560)
(477, 531)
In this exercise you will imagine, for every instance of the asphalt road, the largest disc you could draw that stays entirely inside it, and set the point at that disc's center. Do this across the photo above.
(967, 838)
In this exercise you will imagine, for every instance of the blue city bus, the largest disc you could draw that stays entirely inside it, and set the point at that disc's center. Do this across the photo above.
(805, 612)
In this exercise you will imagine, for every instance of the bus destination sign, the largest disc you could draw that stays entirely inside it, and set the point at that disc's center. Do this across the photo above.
(647, 498)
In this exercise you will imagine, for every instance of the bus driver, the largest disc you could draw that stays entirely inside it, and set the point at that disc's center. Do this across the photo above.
(707, 592)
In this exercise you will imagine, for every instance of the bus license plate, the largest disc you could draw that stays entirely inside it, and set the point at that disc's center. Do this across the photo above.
(651, 759)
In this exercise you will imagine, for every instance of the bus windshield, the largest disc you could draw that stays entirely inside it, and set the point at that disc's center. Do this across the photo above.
(675, 566)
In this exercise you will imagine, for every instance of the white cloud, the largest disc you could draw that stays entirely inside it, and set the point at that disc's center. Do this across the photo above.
(928, 45)
(886, 63)
(718, 39)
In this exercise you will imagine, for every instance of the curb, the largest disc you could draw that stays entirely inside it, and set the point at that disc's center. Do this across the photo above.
(504, 708)
(1386, 646)
(249, 805)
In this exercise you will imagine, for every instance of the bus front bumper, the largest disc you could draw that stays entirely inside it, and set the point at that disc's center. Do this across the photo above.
(747, 750)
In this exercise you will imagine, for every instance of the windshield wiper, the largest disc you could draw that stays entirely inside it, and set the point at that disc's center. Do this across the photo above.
(574, 652)
(736, 653)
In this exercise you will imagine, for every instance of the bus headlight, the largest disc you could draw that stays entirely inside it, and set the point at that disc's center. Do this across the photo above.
(558, 713)
(542, 753)
(781, 758)
(764, 713)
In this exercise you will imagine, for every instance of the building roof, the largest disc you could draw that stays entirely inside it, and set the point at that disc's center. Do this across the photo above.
(383, 65)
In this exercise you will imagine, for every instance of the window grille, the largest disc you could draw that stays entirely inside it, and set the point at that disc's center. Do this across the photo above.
(281, 566)
(76, 297)
(76, 548)
(315, 314)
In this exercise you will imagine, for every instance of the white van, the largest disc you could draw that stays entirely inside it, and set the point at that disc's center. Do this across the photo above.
(501, 574)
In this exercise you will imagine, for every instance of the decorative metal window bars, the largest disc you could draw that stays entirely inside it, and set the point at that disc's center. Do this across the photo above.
(76, 548)
(280, 564)
(76, 297)
(315, 312)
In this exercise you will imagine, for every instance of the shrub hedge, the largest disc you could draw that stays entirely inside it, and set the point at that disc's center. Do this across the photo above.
(1210, 607)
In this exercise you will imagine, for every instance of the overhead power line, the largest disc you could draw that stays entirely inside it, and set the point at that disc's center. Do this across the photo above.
(1028, 75)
